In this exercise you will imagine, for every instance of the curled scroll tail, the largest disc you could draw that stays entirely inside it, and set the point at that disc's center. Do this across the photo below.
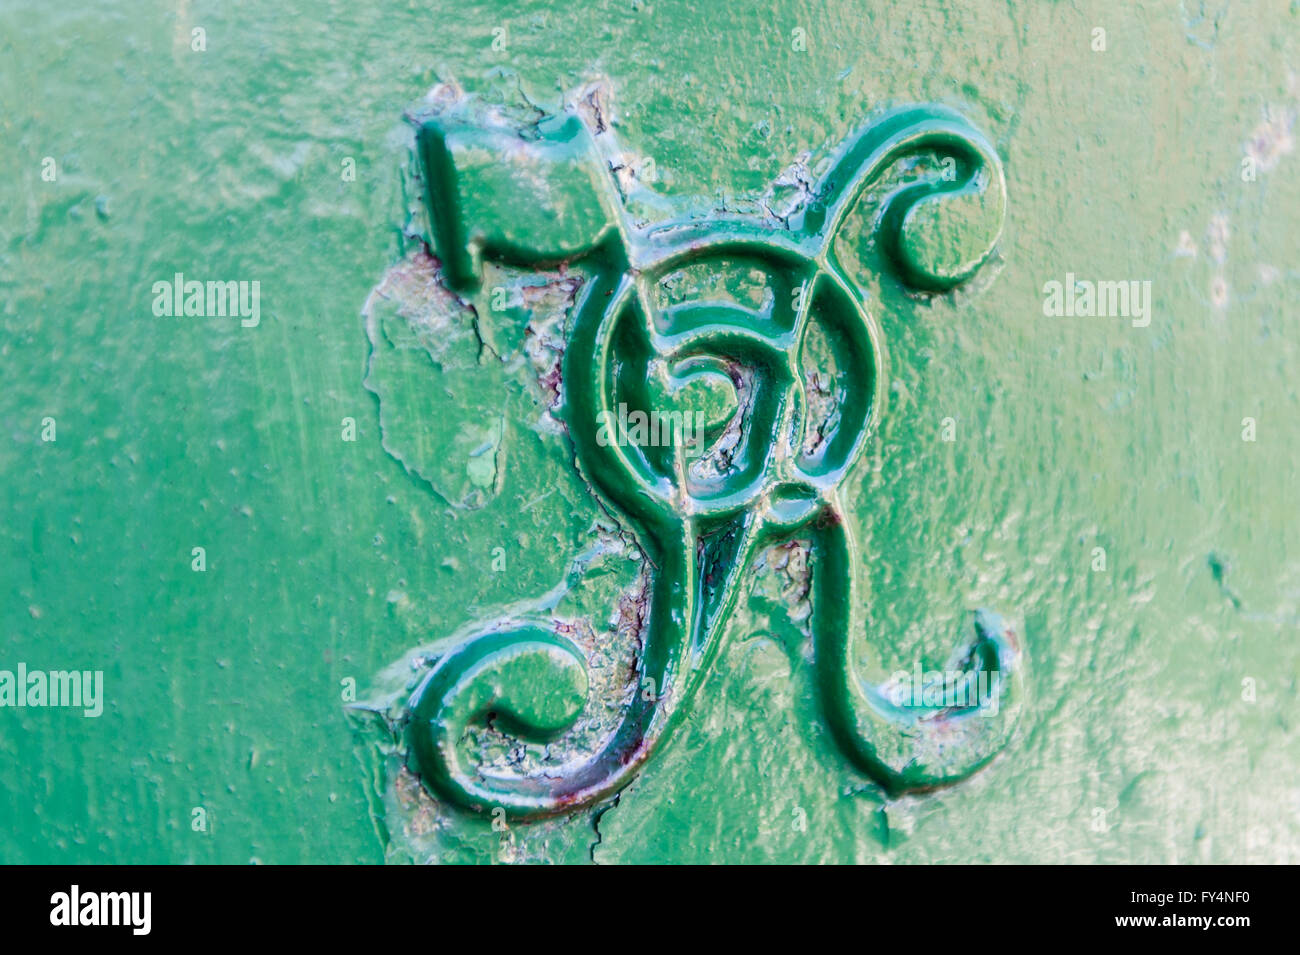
(524, 684)
(523, 681)
(938, 229)
(914, 730)
(530, 687)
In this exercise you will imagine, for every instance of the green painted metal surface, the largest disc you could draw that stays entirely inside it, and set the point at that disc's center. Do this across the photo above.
(267, 527)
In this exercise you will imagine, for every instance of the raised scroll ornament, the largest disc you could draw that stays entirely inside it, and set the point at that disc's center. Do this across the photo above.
(544, 196)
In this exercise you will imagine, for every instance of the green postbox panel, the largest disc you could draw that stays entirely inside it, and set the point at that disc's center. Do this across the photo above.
(649, 432)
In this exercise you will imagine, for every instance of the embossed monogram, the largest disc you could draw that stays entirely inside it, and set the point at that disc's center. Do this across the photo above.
(771, 468)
